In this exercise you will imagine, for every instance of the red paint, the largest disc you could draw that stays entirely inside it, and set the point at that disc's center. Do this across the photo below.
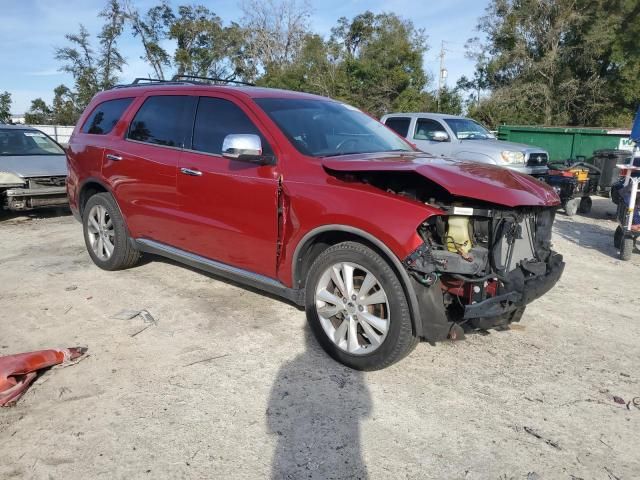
(230, 213)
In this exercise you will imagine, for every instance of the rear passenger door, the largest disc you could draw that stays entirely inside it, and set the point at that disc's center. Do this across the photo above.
(141, 165)
(229, 206)
(400, 125)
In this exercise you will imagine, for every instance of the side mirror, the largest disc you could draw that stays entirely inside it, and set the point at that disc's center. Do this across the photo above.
(245, 147)
(439, 136)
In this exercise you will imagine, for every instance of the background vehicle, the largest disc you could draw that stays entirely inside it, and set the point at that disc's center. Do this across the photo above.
(465, 139)
(314, 201)
(33, 168)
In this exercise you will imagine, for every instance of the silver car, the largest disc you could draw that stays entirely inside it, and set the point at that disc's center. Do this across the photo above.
(465, 139)
(33, 169)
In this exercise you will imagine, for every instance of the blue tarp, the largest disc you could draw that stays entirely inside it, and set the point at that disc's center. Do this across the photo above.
(635, 130)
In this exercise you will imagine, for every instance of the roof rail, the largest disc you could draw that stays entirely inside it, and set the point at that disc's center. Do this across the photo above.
(198, 79)
(180, 80)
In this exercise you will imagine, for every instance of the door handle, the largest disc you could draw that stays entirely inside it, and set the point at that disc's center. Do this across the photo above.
(191, 171)
(115, 158)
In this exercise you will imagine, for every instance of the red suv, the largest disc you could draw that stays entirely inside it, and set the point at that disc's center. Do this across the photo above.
(311, 199)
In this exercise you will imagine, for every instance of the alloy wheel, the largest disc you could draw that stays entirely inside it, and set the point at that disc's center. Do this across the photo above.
(353, 308)
(100, 232)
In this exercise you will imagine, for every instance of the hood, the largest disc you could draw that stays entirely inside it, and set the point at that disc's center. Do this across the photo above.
(26, 166)
(488, 183)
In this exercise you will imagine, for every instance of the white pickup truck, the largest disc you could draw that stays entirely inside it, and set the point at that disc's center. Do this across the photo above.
(465, 139)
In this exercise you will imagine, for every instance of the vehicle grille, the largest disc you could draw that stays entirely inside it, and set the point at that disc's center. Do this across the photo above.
(41, 182)
(537, 160)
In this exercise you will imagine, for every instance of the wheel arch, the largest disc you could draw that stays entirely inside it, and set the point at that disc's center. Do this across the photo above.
(320, 238)
(92, 186)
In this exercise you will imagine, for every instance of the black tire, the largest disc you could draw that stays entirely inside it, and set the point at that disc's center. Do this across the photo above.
(585, 205)
(399, 340)
(617, 237)
(571, 206)
(626, 248)
(124, 255)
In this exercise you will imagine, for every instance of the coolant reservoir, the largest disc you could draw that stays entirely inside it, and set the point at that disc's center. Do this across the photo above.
(458, 239)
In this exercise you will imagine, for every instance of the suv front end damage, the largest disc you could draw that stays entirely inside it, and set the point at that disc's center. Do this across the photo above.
(482, 266)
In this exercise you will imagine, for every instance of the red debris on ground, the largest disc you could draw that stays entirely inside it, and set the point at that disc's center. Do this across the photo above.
(18, 371)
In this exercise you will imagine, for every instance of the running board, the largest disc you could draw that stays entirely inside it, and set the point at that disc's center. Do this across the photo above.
(235, 274)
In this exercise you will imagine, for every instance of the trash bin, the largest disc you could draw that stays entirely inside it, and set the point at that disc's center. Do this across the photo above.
(606, 161)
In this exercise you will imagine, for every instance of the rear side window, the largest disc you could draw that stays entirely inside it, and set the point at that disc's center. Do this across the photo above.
(215, 119)
(164, 120)
(105, 116)
(400, 125)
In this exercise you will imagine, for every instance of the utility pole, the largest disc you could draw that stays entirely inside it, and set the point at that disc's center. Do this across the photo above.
(442, 74)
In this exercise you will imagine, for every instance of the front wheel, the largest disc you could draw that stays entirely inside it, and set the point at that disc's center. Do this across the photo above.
(626, 247)
(357, 308)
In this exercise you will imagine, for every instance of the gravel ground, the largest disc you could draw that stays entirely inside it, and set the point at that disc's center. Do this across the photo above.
(228, 383)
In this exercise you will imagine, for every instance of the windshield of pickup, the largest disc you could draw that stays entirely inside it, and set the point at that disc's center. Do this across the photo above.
(321, 128)
(466, 129)
(18, 142)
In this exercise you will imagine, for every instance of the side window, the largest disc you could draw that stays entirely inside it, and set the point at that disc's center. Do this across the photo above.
(400, 125)
(215, 119)
(425, 128)
(163, 120)
(105, 116)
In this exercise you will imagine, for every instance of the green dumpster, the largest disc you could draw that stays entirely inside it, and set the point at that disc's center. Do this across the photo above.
(565, 143)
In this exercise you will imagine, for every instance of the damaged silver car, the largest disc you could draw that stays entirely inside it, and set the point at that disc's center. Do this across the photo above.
(33, 169)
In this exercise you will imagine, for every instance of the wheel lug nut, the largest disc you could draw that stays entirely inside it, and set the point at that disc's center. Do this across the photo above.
(360, 307)
(353, 297)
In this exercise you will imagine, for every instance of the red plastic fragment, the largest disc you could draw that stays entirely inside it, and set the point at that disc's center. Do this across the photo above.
(18, 371)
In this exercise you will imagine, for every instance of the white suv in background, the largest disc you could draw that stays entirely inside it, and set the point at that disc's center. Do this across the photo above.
(465, 139)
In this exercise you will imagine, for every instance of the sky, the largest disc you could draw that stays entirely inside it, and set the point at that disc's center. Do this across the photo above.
(32, 29)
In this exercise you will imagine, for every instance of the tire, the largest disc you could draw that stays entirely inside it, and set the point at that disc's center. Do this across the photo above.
(393, 333)
(617, 237)
(626, 248)
(585, 205)
(571, 207)
(102, 221)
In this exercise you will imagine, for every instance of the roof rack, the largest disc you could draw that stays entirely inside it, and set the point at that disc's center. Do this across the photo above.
(181, 80)
(198, 79)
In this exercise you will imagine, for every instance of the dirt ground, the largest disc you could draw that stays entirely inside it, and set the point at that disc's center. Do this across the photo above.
(228, 383)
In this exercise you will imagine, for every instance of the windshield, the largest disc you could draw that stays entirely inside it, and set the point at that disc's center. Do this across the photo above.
(466, 129)
(321, 128)
(27, 142)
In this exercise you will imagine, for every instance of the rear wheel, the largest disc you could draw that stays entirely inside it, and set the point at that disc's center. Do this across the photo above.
(585, 205)
(105, 234)
(626, 248)
(357, 308)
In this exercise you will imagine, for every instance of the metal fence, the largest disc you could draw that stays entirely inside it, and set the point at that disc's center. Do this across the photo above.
(60, 133)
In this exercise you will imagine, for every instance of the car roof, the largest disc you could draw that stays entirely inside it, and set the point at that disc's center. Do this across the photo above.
(441, 116)
(246, 91)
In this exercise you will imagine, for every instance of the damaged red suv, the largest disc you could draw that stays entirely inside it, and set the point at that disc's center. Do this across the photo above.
(312, 200)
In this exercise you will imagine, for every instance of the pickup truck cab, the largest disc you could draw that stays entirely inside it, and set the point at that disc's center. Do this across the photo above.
(465, 139)
(314, 201)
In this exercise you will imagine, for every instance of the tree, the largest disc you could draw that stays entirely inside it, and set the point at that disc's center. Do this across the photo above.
(39, 113)
(64, 110)
(275, 32)
(5, 107)
(559, 61)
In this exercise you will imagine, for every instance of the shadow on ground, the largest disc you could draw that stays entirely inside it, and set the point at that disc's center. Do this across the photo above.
(315, 410)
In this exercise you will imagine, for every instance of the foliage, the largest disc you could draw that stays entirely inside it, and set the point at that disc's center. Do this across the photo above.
(5, 107)
(557, 62)
(39, 113)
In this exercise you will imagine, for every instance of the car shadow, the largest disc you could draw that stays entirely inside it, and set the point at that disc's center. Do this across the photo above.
(150, 257)
(11, 217)
(315, 410)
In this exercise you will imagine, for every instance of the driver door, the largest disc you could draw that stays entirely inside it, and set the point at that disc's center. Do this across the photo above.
(229, 206)
(423, 137)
